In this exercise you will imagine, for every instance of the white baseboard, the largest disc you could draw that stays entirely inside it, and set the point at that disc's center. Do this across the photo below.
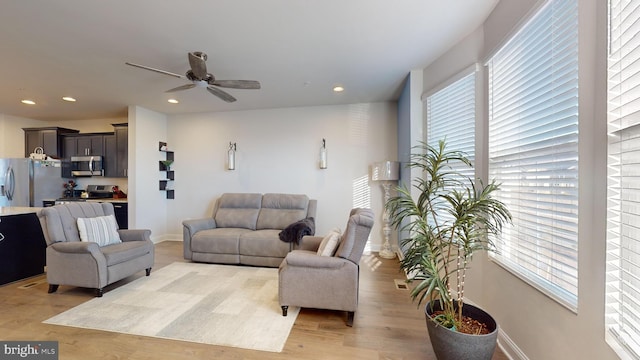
(509, 348)
(166, 237)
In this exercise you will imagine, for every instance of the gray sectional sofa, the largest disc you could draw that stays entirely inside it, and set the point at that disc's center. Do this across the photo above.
(244, 229)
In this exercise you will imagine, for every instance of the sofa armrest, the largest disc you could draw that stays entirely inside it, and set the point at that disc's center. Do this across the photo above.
(310, 243)
(190, 228)
(310, 259)
(196, 225)
(76, 247)
(134, 234)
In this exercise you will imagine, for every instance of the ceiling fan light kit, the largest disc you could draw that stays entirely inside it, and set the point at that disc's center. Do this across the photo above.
(199, 77)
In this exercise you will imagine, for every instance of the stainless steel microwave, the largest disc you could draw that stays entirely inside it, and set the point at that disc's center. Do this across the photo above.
(87, 166)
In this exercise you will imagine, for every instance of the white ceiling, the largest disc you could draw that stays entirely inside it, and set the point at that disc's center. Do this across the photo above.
(297, 49)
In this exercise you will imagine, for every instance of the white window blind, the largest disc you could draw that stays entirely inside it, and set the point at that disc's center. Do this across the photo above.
(451, 116)
(533, 149)
(623, 216)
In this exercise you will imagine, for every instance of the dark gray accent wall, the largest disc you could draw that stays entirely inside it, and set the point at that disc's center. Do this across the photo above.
(404, 131)
(404, 141)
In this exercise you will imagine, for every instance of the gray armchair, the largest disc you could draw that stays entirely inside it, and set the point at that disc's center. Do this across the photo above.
(85, 264)
(309, 280)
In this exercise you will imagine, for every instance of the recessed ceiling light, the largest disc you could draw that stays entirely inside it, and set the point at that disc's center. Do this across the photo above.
(338, 88)
(173, 101)
(28, 102)
(68, 98)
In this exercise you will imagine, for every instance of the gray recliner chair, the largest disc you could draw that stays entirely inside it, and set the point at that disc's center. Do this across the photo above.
(71, 261)
(309, 280)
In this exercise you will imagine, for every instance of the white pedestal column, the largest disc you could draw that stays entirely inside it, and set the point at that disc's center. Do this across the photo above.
(385, 251)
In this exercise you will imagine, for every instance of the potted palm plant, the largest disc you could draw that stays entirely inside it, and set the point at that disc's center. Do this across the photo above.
(452, 217)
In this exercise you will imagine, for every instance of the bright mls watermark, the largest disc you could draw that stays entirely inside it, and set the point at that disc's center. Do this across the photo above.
(39, 350)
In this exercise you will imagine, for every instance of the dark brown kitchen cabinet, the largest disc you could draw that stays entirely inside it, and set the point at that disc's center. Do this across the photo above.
(116, 152)
(48, 138)
(84, 145)
(122, 149)
(110, 157)
(89, 144)
(121, 211)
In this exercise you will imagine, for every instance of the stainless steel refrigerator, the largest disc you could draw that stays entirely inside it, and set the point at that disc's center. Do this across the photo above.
(27, 182)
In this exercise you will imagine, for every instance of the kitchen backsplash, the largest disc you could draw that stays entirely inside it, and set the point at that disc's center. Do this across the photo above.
(96, 180)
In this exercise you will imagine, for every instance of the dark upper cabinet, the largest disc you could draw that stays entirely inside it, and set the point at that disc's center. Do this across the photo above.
(116, 149)
(83, 145)
(122, 149)
(64, 143)
(110, 160)
(50, 139)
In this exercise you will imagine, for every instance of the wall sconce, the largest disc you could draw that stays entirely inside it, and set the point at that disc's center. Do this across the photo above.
(323, 155)
(231, 156)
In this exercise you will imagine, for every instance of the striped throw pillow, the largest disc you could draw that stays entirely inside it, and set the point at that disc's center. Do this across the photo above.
(102, 230)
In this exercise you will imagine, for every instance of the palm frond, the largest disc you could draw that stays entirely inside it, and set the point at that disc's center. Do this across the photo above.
(452, 217)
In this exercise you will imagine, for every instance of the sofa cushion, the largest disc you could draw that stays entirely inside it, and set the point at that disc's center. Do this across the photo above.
(280, 210)
(263, 243)
(218, 241)
(125, 251)
(238, 211)
(61, 224)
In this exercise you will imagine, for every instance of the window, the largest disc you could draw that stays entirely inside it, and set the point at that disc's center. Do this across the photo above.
(533, 149)
(622, 300)
(451, 116)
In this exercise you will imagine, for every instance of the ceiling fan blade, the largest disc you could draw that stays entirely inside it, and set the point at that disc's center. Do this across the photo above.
(183, 87)
(198, 66)
(237, 84)
(221, 94)
(155, 70)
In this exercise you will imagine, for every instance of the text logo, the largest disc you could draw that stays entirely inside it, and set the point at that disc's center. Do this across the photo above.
(32, 350)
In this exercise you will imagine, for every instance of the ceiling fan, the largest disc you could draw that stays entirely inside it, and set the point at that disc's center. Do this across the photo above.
(199, 77)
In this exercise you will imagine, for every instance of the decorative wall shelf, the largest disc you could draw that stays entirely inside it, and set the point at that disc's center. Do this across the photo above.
(169, 174)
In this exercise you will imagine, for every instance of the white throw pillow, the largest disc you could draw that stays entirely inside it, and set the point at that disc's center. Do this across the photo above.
(102, 230)
(330, 243)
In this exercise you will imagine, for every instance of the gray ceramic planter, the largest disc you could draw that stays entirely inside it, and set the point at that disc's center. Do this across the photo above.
(452, 345)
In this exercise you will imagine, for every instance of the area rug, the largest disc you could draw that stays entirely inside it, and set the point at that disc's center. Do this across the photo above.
(205, 303)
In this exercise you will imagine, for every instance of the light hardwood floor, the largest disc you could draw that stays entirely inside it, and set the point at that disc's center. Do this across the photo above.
(387, 324)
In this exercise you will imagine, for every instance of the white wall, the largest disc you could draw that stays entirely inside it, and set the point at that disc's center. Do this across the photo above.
(12, 135)
(535, 326)
(277, 152)
(147, 205)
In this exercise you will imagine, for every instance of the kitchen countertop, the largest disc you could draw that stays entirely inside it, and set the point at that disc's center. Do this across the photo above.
(15, 210)
(111, 200)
